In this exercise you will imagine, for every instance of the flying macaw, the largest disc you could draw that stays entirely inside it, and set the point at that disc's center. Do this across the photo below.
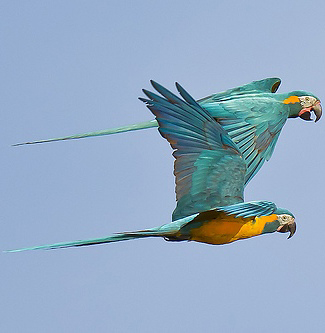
(210, 172)
(252, 114)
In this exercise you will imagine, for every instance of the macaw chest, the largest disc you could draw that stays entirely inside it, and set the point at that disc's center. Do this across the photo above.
(229, 229)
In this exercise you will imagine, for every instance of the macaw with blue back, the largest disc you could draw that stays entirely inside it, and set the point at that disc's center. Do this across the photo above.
(253, 116)
(210, 173)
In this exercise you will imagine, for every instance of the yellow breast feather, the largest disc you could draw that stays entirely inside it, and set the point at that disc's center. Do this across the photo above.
(227, 229)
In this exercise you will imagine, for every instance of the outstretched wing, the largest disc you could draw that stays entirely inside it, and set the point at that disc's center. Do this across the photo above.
(253, 119)
(209, 168)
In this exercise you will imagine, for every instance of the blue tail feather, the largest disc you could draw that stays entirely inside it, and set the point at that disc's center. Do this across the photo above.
(110, 239)
(122, 129)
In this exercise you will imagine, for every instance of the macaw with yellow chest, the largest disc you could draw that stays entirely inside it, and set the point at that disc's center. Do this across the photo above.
(253, 116)
(210, 172)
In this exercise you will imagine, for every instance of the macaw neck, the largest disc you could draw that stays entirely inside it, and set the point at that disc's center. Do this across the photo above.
(294, 110)
(271, 226)
(290, 101)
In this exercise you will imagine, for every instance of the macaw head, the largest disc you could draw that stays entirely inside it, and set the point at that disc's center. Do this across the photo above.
(284, 222)
(302, 104)
(287, 224)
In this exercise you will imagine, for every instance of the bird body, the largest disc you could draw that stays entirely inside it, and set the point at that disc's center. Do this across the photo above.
(216, 227)
(253, 116)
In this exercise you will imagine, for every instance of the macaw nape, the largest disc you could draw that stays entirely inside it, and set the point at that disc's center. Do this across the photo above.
(253, 110)
(210, 174)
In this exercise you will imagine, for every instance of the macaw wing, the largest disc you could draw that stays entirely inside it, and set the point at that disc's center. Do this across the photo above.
(254, 122)
(250, 209)
(209, 168)
(269, 85)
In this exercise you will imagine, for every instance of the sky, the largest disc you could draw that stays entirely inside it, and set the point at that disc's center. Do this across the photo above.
(70, 67)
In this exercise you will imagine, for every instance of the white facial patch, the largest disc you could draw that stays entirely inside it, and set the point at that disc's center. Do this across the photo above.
(285, 219)
(307, 101)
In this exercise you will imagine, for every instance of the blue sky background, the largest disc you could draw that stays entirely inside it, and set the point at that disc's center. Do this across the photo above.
(75, 66)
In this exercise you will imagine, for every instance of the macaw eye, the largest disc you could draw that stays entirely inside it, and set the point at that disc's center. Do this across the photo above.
(307, 99)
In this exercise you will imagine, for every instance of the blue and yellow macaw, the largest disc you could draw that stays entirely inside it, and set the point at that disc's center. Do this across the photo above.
(210, 172)
(253, 116)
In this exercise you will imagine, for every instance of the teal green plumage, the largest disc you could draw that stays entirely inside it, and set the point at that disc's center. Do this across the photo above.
(252, 114)
(210, 174)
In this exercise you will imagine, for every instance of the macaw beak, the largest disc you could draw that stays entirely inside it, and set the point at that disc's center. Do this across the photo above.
(289, 227)
(316, 108)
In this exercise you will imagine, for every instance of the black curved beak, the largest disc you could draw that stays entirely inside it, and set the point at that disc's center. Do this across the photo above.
(306, 113)
(317, 108)
(289, 227)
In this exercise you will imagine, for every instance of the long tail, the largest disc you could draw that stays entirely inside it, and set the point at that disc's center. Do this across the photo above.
(134, 127)
(155, 232)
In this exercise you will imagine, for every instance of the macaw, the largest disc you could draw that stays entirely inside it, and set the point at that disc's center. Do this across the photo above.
(210, 173)
(253, 115)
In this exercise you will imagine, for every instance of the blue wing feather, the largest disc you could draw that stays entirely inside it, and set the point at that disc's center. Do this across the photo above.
(253, 121)
(249, 209)
(209, 169)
